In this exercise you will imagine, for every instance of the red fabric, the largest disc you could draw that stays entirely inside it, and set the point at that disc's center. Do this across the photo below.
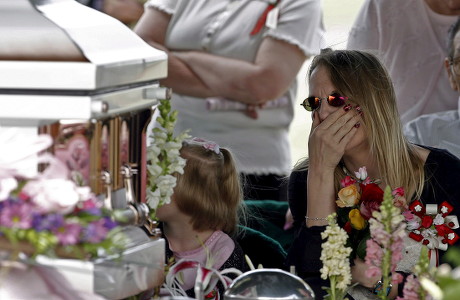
(263, 18)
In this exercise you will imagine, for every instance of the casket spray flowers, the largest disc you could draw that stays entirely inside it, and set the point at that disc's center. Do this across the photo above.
(47, 213)
(163, 158)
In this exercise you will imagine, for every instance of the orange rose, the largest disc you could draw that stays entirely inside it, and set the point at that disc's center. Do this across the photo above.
(348, 196)
(357, 221)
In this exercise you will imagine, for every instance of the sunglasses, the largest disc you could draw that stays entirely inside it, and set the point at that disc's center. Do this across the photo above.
(313, 103)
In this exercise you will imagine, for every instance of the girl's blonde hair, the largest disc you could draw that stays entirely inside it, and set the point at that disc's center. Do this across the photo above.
(209, 190)
(364, 80)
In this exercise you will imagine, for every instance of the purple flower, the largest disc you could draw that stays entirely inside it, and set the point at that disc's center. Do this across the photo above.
(16, 215)
(93, 211)
(68, 233)
(95, 232)
(109, 223)
(47, 222)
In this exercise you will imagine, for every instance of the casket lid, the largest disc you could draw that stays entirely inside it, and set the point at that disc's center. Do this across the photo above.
(64, 45)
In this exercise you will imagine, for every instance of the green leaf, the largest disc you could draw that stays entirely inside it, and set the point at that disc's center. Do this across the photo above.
(453, 256)
(452, 291)
(361, 249)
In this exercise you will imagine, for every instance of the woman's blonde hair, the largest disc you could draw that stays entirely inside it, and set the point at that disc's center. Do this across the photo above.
(209, 190)
(364, 80)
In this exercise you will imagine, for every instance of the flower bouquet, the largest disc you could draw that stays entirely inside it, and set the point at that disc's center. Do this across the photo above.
(357, 200)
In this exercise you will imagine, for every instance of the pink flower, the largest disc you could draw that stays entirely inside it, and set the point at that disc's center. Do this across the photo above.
(68, 233)
(397, 248)
(398, 192)
(411, 288)
(374, 253)
(380, 235)
(408, 215)
(398, 198)
(16, 215)
(347, 181)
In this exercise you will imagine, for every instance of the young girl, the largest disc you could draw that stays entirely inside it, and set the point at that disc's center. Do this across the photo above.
(203, 213)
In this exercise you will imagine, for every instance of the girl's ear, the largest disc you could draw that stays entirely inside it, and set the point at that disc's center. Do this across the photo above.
(452, 78)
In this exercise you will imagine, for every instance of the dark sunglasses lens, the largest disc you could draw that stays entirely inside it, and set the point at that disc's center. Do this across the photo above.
(312, 103)
(336, 100)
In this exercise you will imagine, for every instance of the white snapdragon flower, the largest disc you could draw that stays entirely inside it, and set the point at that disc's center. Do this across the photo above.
(173, 145)
(153, 198)
(159, 136)
(335, 256)
(178, 165)
(153, 151)
(154, 170)
(165, 183)
(163, 156)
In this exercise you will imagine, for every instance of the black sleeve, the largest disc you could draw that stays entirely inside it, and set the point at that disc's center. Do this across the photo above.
(297, 195)
(305, 251)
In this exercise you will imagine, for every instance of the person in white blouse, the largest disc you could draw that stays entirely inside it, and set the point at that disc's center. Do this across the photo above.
(442, 129)
(247, 53)
(409, 36)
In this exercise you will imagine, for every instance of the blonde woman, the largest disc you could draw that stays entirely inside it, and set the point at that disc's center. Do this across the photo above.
(355, 124)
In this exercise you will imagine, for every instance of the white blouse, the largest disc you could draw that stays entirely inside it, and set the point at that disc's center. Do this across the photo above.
(411, 40)
(222, 27)
(440, 130)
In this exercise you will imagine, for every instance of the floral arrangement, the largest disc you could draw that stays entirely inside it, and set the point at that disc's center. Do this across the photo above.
(432, 226)
(377, 221)
(357, 200)
(384, 248)
(335, 259)
(163, 158)
(47, 213)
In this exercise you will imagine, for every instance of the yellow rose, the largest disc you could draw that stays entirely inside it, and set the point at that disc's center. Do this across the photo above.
(348, 196)
(357, 221)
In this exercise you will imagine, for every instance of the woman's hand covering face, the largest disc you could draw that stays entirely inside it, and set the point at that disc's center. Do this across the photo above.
(330, 137)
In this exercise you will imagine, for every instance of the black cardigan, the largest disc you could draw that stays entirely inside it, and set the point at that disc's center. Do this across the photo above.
(442, 183)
